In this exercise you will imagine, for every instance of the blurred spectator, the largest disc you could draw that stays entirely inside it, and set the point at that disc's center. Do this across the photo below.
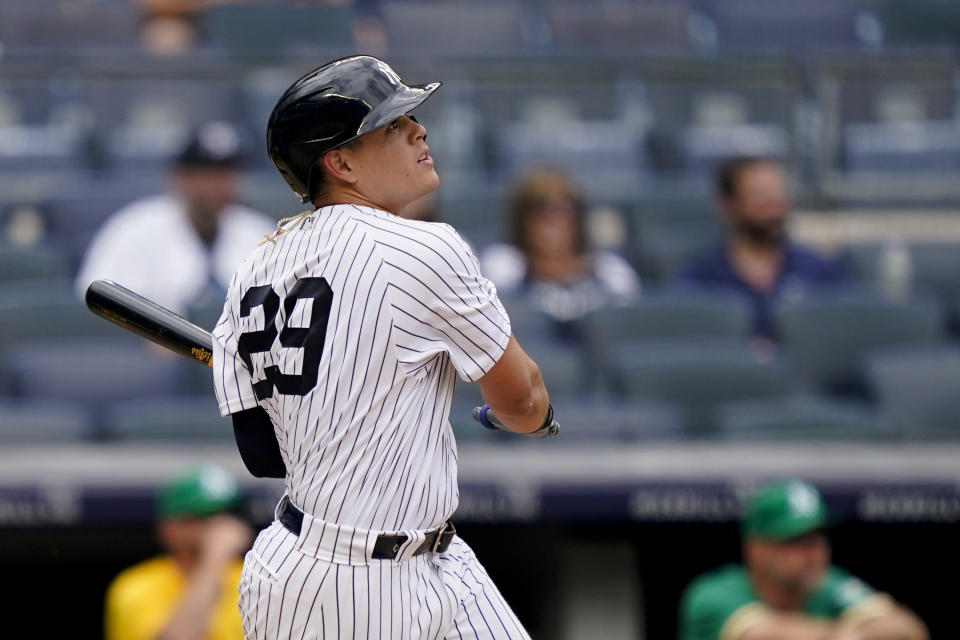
(191, 591)
(758, 260)
(182, 246)
(787, 587)
(549, 260)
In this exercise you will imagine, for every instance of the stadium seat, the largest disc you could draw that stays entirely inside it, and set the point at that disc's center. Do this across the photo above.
(698, 375)
(827, 337)
(42, 421)
(29, 25)
(935, 266)
(173, 418)
(613, 25)
(662, 315)
(453, 27)
(664, 245)
(94, 372)
(800, 417)
(50, 315)
(918, 389)
(278, 28)
(597, 419)
(18, 264)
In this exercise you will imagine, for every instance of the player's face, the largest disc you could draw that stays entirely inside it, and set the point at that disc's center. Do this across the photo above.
(797, 565)
(207, 191)
(393, 164)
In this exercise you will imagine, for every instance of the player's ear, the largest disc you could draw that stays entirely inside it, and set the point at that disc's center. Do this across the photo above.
(338, 164)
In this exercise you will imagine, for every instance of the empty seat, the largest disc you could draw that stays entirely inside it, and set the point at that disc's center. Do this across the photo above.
(34, 421)
(800, 417)
(185, 418)
(90, 371)
(278, 28)
(45, 315)
(663, 245)
(64, 26)
(619, 25)
(697, 375)
(934, 267)
(18, 263)
(663, 315)
(918, 389)
(454, 26)
(828, 336)
(597, 419)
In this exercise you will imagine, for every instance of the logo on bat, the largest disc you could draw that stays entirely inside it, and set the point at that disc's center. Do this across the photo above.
(201, 354)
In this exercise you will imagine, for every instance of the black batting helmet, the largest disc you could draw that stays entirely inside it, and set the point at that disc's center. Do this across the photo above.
(330, 106)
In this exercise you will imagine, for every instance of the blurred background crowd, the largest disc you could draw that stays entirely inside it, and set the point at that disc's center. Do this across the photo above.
(726, 229)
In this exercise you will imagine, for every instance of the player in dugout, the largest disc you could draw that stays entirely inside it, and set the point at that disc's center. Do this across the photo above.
(787, 588)
(191, 590)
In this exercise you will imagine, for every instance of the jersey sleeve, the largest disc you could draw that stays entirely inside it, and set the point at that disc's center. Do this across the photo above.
(440, 303)
(231, 378)
(851, 599)
(716, 608)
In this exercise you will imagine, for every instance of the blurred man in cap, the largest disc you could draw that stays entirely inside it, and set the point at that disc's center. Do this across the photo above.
(787, 588)
(191, 591)
(182, 246)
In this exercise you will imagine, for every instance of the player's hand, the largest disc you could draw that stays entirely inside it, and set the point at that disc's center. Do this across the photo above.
(484, 415)
(226, 537)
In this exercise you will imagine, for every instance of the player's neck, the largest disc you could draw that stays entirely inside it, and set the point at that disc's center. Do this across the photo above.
(350, 196)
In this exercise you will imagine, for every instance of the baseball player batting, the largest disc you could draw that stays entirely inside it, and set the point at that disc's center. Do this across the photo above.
(336, 357)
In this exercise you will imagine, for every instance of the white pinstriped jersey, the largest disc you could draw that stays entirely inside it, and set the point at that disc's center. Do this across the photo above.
(348, 331)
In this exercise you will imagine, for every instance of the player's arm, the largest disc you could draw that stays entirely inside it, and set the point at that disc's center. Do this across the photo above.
(257, 442)
(897, 623)
(785, 627)
(514, 391)
(225, 538)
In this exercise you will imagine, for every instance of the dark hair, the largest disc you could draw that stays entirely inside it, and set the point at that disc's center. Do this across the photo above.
(531, 192)
(727, 173)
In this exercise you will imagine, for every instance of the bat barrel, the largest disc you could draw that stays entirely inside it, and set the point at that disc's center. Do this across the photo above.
(146, 318)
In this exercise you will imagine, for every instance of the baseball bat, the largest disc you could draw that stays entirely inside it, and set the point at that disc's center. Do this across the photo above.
(146, 318)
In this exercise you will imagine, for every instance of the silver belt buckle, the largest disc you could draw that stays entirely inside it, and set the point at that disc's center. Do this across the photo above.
(440, 532)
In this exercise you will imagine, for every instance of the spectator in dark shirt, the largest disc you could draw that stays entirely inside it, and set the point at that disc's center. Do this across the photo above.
(757, 259)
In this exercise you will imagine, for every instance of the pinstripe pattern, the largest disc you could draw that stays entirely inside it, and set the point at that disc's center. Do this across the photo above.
(369, 448)
(287, 593)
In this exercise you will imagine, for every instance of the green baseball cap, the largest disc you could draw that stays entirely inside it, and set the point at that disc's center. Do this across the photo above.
(784, 509)
(199, 492)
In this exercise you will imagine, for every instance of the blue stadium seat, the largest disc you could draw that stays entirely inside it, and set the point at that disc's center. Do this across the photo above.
(917, 388)
(618, 25)
(278, 28)
(168, 418)
(662, 315)
(39, 262)
(454, 27)
(42, 421)
(52, 315)
(697, 375)
(94, 372)
(827, 336)
(32, 25)
(596, 419)
(801, 417)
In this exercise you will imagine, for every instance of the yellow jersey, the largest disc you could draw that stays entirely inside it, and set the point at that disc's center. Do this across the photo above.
(142, 598)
